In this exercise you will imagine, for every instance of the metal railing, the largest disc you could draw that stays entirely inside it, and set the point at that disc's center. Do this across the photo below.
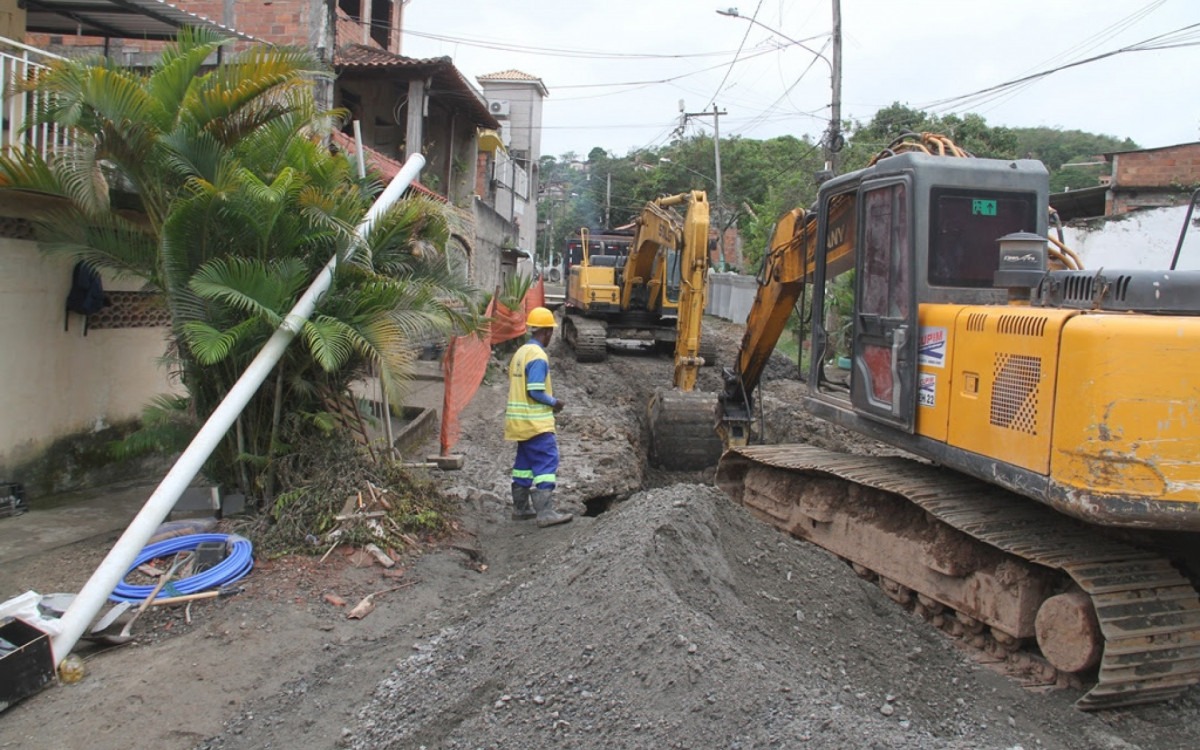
(17, 62)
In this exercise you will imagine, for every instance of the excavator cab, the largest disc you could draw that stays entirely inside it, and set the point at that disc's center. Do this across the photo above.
(912, 229)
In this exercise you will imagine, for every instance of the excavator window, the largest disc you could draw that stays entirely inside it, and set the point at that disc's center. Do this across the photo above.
(965, 225)
(885, 294)
(673, 275)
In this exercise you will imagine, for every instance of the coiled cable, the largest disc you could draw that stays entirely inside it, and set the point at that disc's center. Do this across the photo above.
(235, 566)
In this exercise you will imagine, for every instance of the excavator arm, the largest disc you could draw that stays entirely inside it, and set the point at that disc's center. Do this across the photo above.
(663, 240)
(786, 268)
(693, 268)
(789, 265)
(665, 250)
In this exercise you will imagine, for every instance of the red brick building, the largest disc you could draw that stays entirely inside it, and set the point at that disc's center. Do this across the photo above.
(1151, 178)
(1145, 178)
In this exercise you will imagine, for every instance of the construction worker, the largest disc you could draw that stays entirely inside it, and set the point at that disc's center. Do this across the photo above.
(529, 420)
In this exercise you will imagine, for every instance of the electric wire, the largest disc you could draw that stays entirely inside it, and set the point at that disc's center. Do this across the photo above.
(712, 100)
(560, 52)
(1187, 36)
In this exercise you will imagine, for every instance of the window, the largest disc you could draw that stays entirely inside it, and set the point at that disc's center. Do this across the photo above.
(965, 225)
(885, 253)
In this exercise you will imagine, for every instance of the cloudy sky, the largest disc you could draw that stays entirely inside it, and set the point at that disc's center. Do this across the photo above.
(618, 69)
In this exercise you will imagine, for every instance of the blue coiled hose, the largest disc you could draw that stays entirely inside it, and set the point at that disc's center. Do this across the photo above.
(234, 567)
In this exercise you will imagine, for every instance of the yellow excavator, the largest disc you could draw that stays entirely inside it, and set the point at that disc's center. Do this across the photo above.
(657, 294)
(636, 297)
(1051, 417)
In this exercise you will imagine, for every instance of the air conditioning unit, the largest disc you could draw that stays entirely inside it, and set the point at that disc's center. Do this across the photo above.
(499, 107)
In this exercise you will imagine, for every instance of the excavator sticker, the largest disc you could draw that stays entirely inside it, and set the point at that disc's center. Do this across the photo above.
(927, 392)
(932, 348)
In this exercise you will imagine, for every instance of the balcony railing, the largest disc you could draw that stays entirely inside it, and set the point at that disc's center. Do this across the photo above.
(17, 62)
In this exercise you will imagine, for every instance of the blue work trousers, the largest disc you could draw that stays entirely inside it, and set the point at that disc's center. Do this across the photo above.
(537, 462)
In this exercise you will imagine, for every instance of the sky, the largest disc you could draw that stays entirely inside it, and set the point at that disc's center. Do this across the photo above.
(617, 70)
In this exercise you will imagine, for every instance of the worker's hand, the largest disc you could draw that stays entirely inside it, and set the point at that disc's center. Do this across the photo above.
(558, 405)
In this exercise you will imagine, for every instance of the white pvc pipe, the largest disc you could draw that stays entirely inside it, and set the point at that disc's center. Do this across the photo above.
(91, 598)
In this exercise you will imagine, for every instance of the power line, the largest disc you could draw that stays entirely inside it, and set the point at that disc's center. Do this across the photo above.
(1087, 44)
(561, 52)
(712, 100)
(658, 80)
(1187, 36)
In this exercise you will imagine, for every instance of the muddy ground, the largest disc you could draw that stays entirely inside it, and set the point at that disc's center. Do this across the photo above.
(667, 618)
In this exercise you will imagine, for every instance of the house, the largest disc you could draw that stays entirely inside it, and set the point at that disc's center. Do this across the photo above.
(63, 386)
(63, 392)
(515, 98)
(1133, 218)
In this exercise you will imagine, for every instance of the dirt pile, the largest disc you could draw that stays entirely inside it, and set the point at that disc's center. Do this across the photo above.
(675, 621)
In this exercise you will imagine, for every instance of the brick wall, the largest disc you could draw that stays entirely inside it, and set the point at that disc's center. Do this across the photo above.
(284, 22)
(281, 22)
(1163, 167)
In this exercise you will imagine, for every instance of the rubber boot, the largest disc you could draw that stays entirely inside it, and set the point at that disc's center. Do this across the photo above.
(543, 503)
(522, 510)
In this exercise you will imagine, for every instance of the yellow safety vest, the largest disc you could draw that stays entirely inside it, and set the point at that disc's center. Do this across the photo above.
(525, 418)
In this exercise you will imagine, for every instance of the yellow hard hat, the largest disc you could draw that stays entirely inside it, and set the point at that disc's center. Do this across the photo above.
(540, 317)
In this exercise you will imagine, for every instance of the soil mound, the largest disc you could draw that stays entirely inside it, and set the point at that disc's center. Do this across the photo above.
(679, 621)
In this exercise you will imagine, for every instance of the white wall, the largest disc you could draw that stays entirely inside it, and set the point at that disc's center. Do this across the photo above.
(1138, 240)
(55, 383)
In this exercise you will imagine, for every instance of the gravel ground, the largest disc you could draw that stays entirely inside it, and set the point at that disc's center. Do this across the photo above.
(667, 618)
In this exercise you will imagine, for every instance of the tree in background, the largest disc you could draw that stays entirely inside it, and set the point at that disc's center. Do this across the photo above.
(762, 180)
(1074, 158)
(211, 184)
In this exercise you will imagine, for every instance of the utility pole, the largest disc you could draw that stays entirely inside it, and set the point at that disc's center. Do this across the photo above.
(607, 200)
(833, 139)
(716, 115)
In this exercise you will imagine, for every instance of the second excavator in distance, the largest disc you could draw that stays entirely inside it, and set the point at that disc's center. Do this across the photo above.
(654, 294)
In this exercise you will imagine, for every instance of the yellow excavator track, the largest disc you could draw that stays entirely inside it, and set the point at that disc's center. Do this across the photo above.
(991, 557)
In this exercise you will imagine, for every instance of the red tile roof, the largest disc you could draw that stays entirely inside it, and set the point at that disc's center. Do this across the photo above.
(448, 82)
(514, 76)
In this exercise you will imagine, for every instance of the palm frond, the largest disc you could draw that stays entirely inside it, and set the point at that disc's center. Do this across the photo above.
(251, 286)
(177, 71)
(210, 345)
(330, 341)
(25, 171)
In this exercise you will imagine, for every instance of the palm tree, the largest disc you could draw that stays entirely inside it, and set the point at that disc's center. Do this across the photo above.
(214, 187)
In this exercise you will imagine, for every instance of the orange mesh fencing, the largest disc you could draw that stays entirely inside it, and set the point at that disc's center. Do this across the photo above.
(463, 369)
(467, 358)
(535, 297)
(506, 324)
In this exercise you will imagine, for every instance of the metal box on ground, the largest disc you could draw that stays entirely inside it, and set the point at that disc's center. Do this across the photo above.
(209, 555)
(26, 661)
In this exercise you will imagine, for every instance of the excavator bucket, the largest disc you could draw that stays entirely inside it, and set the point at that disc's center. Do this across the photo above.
(682, 430)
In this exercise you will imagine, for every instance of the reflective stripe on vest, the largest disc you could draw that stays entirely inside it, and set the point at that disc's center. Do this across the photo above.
(524, 418)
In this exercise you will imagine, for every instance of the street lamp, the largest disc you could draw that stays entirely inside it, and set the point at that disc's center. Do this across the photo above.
(833, 140)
